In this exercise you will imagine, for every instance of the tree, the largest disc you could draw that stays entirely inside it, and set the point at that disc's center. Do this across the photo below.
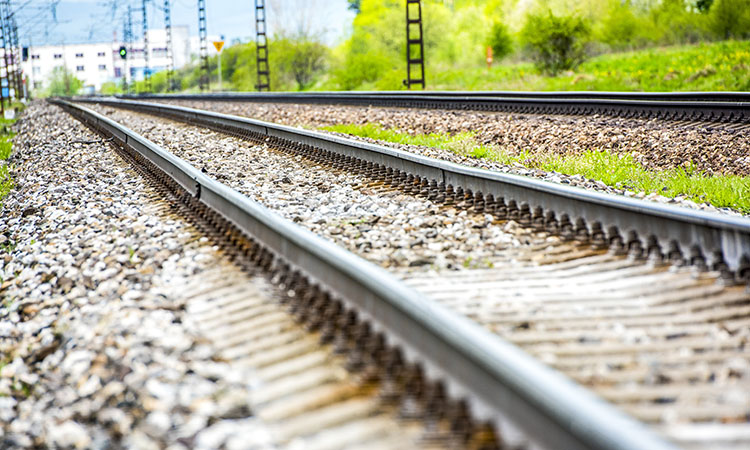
(303, 59)
(556, 43)
(730, 18)
(355, 5)
(703, 5)
(62, 83)
(500, 41)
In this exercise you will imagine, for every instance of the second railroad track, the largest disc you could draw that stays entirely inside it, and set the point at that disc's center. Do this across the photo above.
(646, 304)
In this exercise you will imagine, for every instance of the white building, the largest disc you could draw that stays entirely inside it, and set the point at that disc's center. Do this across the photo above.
(95, 64)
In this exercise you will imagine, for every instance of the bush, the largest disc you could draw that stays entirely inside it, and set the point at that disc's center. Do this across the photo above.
(500, 41)
(556, 43)
(302, 60)
(62, 83)
(622, 28)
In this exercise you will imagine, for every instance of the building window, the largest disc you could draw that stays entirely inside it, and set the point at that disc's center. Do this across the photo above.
(132, 71)
(79, 55)
(34, 56)
(36, 70)
(58, 55)
(159, 52)
(118, 72)
(37, 85)
(101, 54)
(102, 67)
(79, 68)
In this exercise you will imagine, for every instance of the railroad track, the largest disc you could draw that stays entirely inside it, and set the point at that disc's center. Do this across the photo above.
(542, 333)
(729, 108)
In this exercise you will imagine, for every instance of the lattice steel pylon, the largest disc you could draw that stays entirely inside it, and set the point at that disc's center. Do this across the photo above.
(10, 75)
(170, 53)
(16, 58)
(203, 79)
(4, 69)
(414, 44)
(261, 47)
(127, 36)
(146, 68)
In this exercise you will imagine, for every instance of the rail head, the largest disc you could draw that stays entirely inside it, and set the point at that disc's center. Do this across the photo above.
(503, 384)
(717, 241)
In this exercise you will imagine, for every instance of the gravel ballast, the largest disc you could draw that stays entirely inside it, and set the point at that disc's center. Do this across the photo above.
(655, 144)
(97, 351)
(385, 226)
(314, 116)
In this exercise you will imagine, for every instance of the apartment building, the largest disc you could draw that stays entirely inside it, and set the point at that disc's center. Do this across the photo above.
(97, 63)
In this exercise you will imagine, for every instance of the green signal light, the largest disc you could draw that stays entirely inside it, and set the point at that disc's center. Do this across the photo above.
(123, 52)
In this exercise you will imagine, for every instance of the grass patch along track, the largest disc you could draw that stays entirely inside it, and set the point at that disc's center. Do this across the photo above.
(6, 147)
(617, 171)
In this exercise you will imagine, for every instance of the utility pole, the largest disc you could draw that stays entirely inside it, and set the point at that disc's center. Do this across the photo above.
(414, 44)
(16, 58)
(146, 69)
(128, 38)
(203, 79)
(261, 47)
(5, 77)
(170, 53)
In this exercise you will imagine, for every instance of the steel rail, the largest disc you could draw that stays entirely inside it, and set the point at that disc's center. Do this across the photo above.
(733, 107)
(502, 384)
(718, 241)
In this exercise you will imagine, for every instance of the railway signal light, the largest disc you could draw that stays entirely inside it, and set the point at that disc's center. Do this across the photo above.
(123, 52)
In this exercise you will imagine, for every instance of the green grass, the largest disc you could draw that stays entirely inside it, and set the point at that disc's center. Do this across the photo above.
(619, 171)
(6, 146)
(720, 66)
(462, 143)
(6, 183)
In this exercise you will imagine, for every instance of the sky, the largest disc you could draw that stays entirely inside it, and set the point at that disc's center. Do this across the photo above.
(43, 22)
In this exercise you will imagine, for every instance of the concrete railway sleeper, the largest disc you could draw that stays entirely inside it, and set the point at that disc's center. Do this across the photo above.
(442, 368)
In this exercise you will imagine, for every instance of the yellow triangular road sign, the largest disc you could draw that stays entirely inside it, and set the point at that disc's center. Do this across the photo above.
(219, 45)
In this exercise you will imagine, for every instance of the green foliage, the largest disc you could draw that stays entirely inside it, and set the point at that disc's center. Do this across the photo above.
(703, 5)
(500, 41)
(722, 66)
(616, 170)
(110, 88)
(622, 28)
(302, 60)
(63, 83)
(730, 18)
(6, 146)
(556, 42)
(354, 5)
(6, 182)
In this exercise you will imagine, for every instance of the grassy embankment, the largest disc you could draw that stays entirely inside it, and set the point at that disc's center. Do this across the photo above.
(619, 171)
(720, 66)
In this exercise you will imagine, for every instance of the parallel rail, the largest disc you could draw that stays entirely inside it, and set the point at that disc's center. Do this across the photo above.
(502, 384)
(729, 107)
(715, 241)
